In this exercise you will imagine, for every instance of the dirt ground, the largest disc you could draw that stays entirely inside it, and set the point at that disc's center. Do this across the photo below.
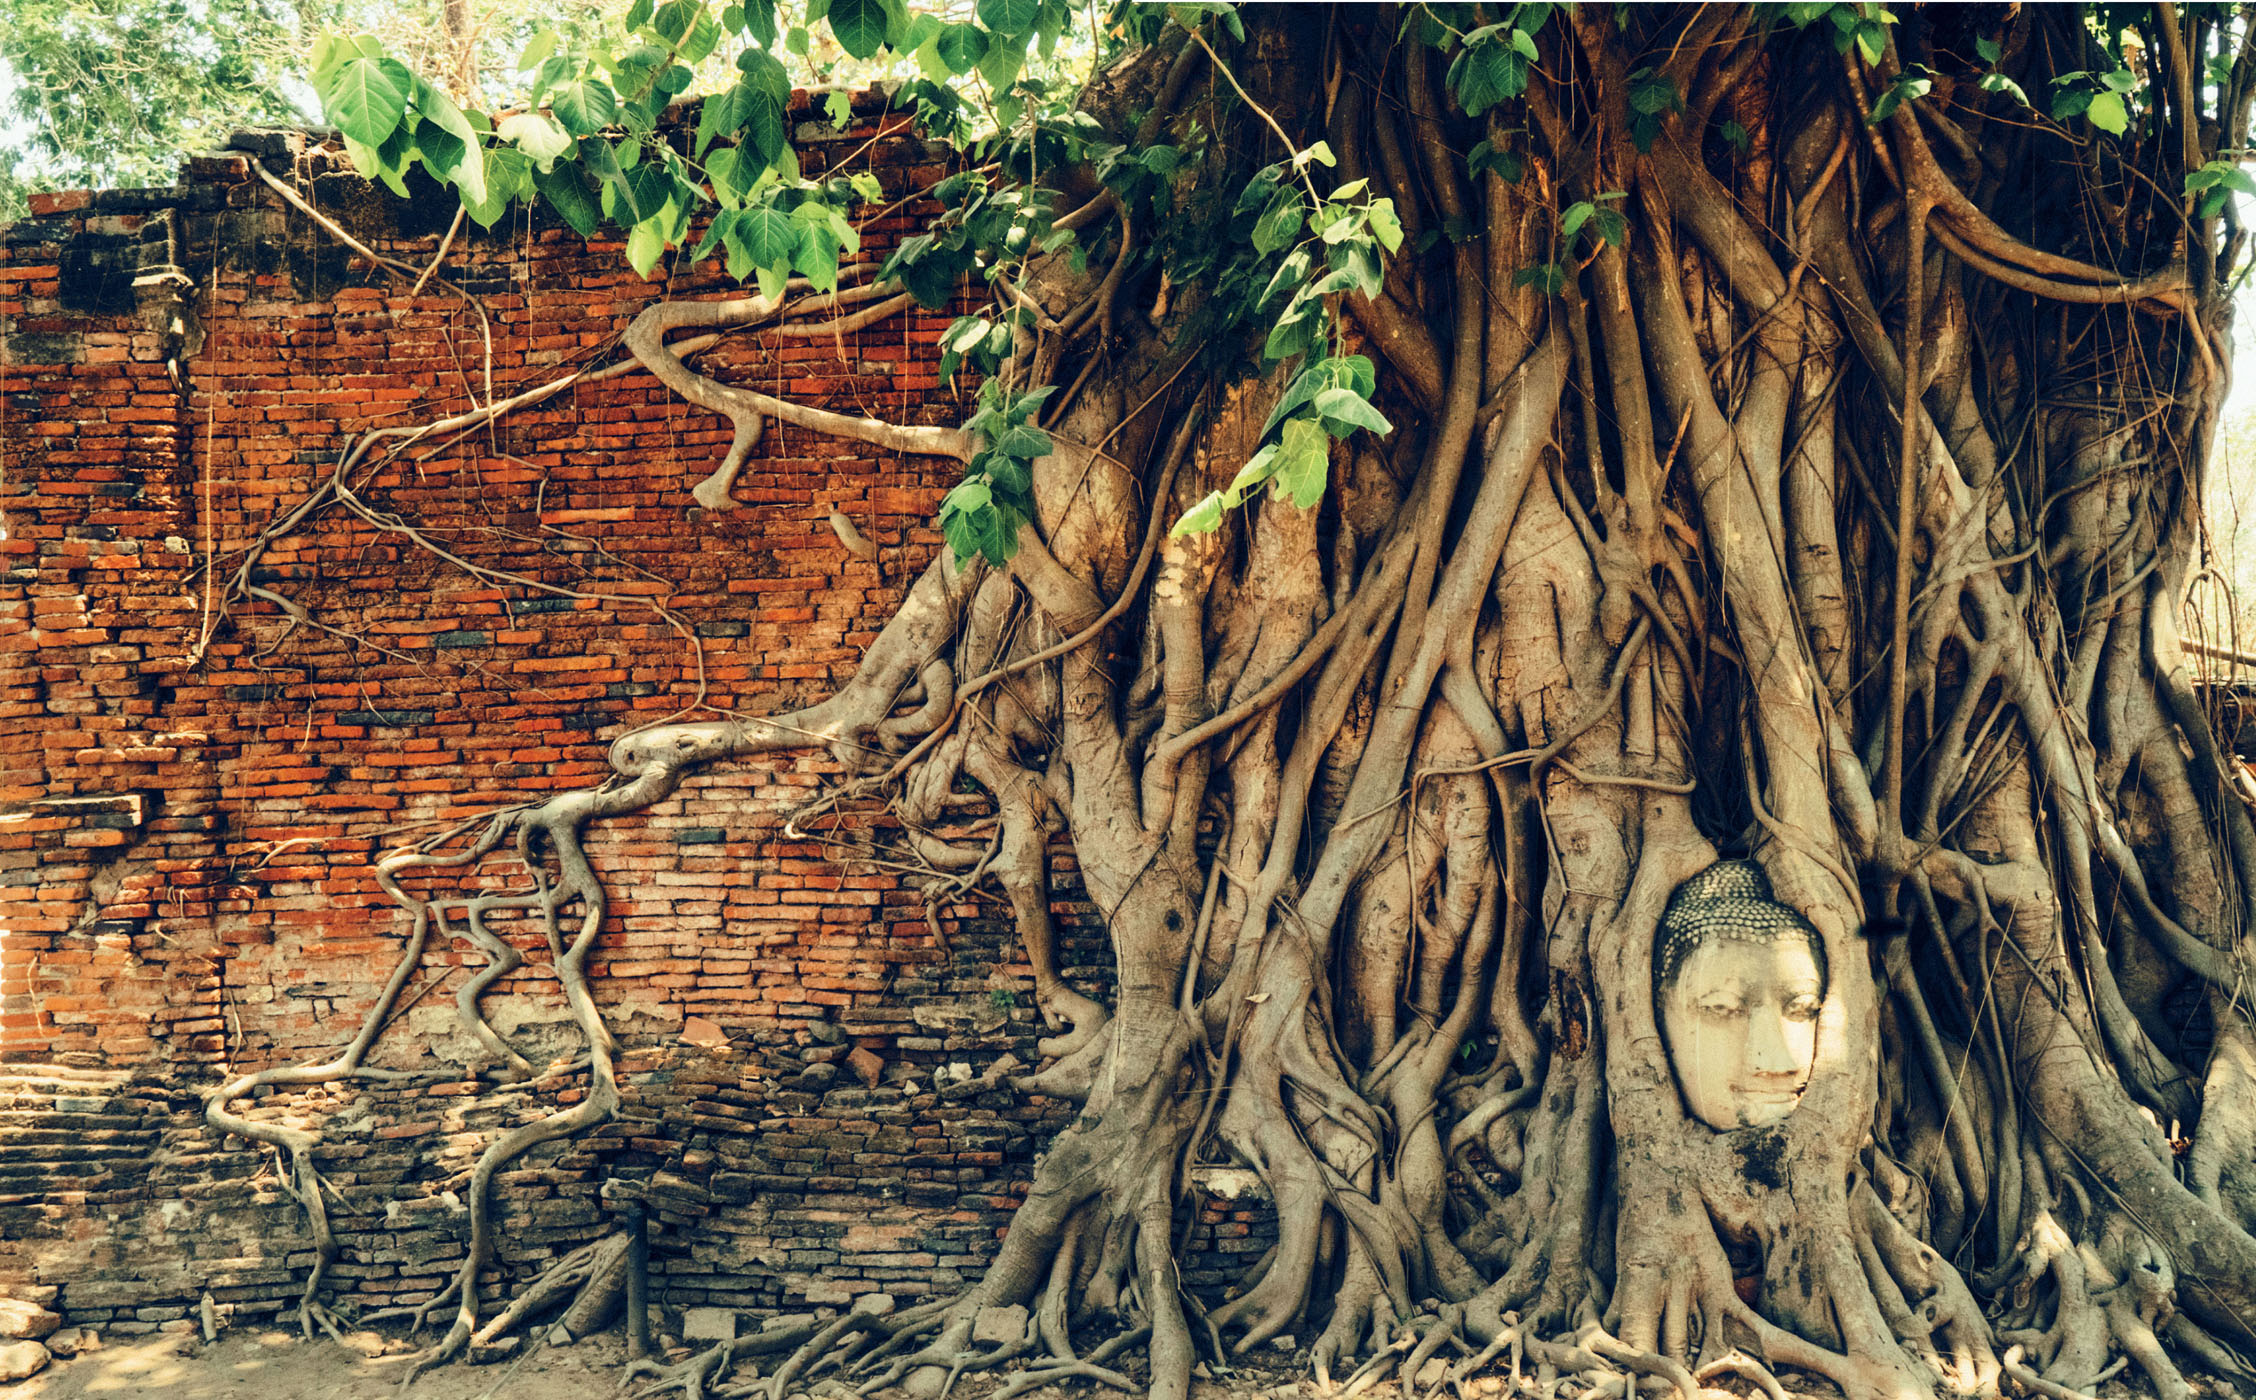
(277, 1364)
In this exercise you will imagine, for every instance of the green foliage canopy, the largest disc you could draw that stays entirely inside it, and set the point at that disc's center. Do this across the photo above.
(574, 120)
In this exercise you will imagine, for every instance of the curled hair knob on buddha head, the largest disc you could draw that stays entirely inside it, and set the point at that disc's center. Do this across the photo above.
(1731, 899)
(1738, 982)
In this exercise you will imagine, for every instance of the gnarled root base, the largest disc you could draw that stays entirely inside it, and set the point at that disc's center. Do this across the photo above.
(1798, 510)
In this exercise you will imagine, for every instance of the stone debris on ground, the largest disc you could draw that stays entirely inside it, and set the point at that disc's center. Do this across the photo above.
(21, 1359)
(708, 1325)
(73, 1341)
(20, 1320)
(999, 1326)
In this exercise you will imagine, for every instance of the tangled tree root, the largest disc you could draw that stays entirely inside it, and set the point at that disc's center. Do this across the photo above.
(1368, 798)
(546, 842)
(862, 1351)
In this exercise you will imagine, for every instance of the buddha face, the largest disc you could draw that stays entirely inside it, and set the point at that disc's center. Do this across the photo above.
(1738, 980)
(1740, 1016)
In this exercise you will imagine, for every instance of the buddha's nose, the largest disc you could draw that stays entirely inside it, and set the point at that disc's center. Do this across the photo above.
(1767, 1050)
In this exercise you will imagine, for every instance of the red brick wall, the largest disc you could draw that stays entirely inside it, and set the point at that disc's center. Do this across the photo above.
(185, 845)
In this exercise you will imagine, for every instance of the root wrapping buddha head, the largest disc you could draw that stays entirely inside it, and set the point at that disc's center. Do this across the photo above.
(1738, 981)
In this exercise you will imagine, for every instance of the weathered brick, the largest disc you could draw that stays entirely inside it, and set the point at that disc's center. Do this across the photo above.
(248, 928)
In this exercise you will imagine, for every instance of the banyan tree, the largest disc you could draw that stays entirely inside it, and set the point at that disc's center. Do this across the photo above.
(1601, 597)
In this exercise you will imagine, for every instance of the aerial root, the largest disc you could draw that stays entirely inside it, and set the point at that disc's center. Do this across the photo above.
(1446, 1330)
(1594, 1348)
(949, 1354)
(2119, 1296)
(1378, 1368)
(1926, 1302)
(598, 1297)
(1212, 1333)
(558, 821)
(875, 1352)
(2220, 1359)
(959, 1359)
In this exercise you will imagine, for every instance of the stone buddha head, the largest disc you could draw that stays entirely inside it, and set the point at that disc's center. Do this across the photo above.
(1738, 981)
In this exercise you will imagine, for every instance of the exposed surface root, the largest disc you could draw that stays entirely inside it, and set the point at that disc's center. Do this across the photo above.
(1811, 518)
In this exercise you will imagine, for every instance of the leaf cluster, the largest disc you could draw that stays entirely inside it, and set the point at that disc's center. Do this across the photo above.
(1328, 400)
(982, 515)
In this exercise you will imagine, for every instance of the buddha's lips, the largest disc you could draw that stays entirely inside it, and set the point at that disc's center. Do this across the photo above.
(1769, 1096)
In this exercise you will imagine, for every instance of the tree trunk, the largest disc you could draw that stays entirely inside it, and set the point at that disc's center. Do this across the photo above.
(1783, 488)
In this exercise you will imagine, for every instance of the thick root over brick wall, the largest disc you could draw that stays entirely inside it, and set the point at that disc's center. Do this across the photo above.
(1829, 508)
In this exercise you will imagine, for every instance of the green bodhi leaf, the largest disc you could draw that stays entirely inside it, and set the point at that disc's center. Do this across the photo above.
(366, 98)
